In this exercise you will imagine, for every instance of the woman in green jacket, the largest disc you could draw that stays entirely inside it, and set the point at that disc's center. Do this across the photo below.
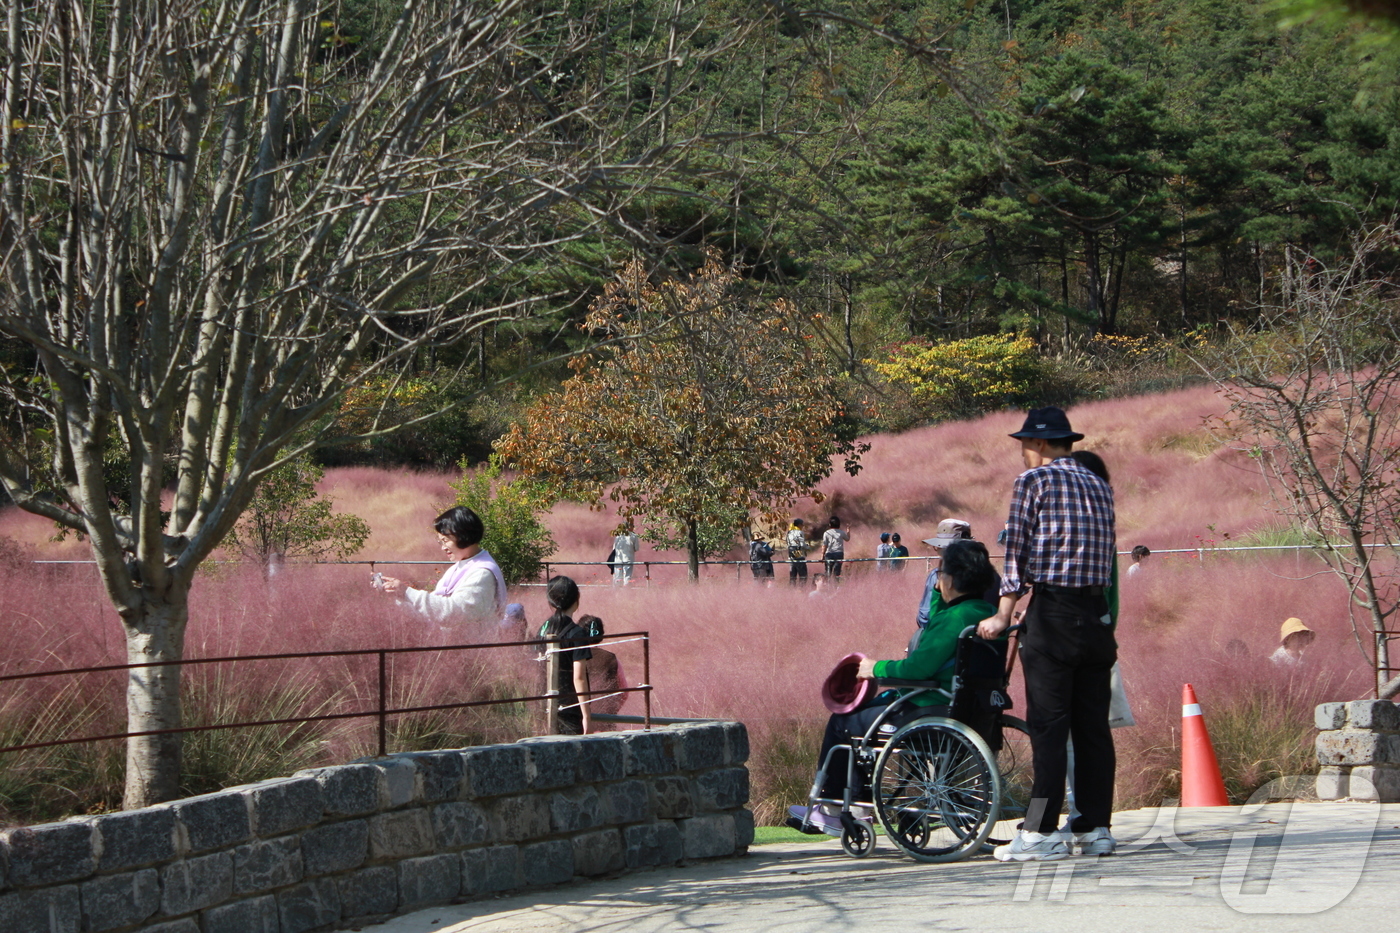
(965, 574)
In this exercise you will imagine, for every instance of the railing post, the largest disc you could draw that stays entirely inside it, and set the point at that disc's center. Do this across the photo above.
(646, 678)
(551, 673)
(383, 693)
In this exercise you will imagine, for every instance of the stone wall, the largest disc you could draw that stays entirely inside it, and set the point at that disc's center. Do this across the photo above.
(1359, 751)
(346, 845)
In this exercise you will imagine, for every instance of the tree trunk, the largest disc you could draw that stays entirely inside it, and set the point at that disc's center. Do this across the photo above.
(153, 700)
(1095, 280)
(692, 547)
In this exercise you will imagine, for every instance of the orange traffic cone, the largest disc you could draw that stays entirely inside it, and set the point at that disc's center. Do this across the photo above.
(1201, 785)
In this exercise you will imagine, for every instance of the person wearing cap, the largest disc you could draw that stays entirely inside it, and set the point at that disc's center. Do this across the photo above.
(897, 551)
(760, 557)
(797, 553)
(882, 552)
(967, 572)
(1294, 638)
(1059, 546)
(949, 530)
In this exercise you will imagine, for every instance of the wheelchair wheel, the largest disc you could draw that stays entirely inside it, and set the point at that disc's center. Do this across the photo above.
(858, 839)
(936, 790)
(1014, 766)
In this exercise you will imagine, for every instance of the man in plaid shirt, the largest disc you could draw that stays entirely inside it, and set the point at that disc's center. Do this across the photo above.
(1060, 544)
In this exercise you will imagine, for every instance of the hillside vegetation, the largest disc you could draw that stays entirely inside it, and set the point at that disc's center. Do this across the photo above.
(729, 648)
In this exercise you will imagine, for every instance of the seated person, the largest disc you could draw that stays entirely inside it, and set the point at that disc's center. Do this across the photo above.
(966, 574)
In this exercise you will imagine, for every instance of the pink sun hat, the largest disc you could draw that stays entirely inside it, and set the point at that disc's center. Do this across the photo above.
(842, 692)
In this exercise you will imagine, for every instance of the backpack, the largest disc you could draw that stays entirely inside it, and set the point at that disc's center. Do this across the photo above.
(592, 627)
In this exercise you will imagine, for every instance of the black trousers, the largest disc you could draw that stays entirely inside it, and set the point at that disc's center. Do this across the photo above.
(843, 728)
(1067, 657)
(797, 569)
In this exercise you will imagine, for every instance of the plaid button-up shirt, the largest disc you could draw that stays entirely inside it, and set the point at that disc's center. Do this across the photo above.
(1060, 530)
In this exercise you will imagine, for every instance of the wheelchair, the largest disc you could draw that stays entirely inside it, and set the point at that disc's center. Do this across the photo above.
(941, 785)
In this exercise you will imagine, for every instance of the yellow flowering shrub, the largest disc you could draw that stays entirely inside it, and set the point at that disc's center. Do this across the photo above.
(960, 378)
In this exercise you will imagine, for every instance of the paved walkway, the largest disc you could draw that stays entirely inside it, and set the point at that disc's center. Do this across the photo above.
(1273, 868)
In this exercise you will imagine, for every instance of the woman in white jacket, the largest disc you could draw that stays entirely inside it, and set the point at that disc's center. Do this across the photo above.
(472, 589)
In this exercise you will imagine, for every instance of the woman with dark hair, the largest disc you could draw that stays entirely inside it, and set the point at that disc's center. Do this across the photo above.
(472, 589)
(966, 574)
(563, 597)
(834, 549)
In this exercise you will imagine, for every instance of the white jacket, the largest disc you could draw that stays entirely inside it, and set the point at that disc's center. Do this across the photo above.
(478, 596)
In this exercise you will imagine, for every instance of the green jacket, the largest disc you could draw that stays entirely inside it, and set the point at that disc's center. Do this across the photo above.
(932, 657)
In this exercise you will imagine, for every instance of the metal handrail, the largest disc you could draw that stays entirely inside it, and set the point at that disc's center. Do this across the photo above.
(381, 712)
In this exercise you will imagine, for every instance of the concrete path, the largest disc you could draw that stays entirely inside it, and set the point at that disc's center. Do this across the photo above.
(1275, 868)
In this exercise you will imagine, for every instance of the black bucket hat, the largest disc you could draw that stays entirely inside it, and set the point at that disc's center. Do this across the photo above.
(1049, 423)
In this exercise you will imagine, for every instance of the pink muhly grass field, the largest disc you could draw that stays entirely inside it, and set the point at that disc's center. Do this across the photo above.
(731, 648)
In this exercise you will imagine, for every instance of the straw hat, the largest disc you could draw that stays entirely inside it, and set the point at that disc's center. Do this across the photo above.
(1294, 627)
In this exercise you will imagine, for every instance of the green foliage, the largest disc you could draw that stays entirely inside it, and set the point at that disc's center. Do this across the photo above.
(716, 531)
(515, 536)
(287, 518)
(962, 378)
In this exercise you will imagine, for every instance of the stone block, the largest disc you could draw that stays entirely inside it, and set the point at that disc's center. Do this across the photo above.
(723, 789)
(1375, 715)
(496, 770)
(600, 758)
(435, 879)
(699, 747)
(399, 786)
(253, 915)
(553, 760)
(1378, 784)
(369, 892)
(284, 804)
(1332, 783)
(708, 836)
(1352, 748)
(490, 869)
(651, 844)
(649, 753)
(671, 797)
(575, 809)
(348, 790)
(549, 862)
(736, 748)
(112, 901)
(458, 825)
(213, 821)
(400, 835)
(597, 853)
(515, 818)
(1328, 717)
(628, 802)
(51, 853)
(136, 838)
(440, 774)
(183, 925)
(308, 906)
(47, 910)
(743, 828)
(263, 865)
(335, 847)
(196, 883)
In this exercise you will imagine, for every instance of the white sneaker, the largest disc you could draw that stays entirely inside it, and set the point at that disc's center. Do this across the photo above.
(1095, 842)
(1032, 847)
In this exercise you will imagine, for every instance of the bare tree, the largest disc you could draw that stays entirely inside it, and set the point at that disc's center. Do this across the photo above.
(217, 215)
(1314, 394)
